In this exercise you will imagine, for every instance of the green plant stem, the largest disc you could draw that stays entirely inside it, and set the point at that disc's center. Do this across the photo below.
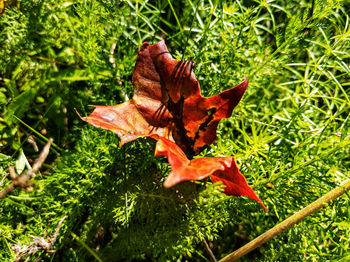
(38, 134)
(284, 225)
(93, 253)
(174, 13)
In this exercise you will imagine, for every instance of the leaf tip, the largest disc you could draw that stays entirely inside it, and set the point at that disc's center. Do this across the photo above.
(82, 118)
(167, 183)
(242, 87)
(266, 209)
(172, 180)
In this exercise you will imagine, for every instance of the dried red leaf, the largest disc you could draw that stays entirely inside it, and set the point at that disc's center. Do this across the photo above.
(222, 169)
(167, 102)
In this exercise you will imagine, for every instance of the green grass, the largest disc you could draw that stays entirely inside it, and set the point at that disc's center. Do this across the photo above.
(290, 135)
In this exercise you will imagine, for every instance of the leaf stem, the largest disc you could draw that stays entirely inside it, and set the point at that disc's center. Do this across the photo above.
(289, 222)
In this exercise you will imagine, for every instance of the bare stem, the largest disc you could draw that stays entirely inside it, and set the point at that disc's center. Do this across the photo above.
(22, 180)
(289, 222)
(210, 252)
(37, 244)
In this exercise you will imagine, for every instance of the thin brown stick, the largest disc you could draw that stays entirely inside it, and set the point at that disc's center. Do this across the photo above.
(37, 244)
(286, 224)
(210, 252)
(22, 180)
(117, 76)
(53, 239)
(31, 141)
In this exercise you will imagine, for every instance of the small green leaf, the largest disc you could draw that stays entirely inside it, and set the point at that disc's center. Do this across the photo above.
(3, 98)
(21, 163)
(40, 99)
(3, 157)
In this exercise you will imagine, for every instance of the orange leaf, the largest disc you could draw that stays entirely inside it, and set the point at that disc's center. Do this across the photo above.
(167, 102)
(222, 169)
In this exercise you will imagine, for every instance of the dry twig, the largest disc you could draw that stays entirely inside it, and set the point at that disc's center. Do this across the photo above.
(210, 252)
(31, 141)
(38, 243)
(22, 180)
(117, 76)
